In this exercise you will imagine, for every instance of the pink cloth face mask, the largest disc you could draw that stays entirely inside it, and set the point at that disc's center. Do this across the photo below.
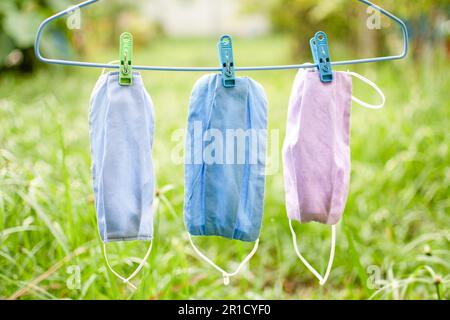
(316, 152)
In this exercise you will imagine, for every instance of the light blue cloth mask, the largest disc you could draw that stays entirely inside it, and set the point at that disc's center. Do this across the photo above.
(121, 124)
(225, 160)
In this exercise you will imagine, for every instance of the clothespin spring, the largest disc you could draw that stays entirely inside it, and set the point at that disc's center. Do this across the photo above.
(225, 49)
(126, 56)
(321, 56)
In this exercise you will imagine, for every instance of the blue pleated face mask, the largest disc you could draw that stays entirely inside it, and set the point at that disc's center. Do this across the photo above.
(121, 122)
(225, 162)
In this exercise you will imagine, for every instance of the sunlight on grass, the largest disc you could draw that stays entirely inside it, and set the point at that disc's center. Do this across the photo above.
(396, 219)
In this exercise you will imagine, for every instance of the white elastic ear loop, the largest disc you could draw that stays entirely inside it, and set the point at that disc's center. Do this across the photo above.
(322, 280)
(111, 62)
(135, 272)
(226, 275)
(373, 85)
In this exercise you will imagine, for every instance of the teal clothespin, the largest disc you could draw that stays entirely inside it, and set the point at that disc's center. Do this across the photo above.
(321, 55)
(225, 49)
(126, 57)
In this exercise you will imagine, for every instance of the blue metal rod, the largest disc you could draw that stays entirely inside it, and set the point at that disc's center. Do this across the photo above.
(38, 54)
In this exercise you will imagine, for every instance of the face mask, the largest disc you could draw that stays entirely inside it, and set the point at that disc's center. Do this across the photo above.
(121, 124)
(316, 152)
(225, 162)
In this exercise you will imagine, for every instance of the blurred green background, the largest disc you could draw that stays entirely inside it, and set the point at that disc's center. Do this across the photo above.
(393, 241)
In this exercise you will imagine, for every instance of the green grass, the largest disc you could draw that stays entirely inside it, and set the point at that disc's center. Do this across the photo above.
(396, 224)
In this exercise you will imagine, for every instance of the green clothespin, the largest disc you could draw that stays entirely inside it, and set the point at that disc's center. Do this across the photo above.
(126, 56)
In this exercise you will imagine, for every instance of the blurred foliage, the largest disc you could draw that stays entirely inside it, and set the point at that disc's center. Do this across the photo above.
(101, 25)
(393, 241)
(19, 21)
(345, 22)
(104, 22)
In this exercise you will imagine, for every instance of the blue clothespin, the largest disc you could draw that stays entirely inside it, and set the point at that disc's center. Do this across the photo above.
(225, 49)
(321, 55)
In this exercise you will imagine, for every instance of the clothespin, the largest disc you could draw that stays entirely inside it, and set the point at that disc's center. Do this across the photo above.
(321, 55)
(126, 56)
(225, 49)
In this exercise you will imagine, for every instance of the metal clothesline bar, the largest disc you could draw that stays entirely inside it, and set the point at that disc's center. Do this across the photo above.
(211, 69)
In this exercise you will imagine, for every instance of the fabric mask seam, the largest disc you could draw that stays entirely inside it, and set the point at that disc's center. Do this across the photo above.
(92, 149)
(266, 125)
(203, 169)
(199, 173)
(333, 168)
(245, 174)
(265, 104)
(108, 106)
(297, 188)
(348, 128)
(287, 157)
(142, 92)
